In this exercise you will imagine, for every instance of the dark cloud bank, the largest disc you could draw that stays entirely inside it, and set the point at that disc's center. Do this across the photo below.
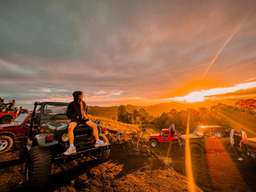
(121, 49)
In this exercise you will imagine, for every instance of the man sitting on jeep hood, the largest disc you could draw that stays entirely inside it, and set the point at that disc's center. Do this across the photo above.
(76, 112)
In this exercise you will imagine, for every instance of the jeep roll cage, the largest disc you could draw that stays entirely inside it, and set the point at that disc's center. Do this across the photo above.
(34, 112)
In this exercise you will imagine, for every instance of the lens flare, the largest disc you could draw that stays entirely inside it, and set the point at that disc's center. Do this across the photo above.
(228, 40)
(216, 56)
(188, 161)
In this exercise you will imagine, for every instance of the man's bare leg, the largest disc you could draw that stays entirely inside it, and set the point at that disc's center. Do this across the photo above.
(94, 129)
(72, 148)
(71, 128)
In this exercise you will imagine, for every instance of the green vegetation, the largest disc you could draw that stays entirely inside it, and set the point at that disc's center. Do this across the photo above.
(107, 112)
(232, 115)
(238, 118)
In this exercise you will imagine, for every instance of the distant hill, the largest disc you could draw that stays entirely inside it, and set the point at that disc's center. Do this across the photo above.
(154, 110)
(229, 99)
(238, 118)
(107, 112)
(157, 109)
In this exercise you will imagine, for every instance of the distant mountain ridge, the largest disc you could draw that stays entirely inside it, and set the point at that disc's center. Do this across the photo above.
(158, 109)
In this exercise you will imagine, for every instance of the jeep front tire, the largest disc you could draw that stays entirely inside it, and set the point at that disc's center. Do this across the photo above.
(38, 168)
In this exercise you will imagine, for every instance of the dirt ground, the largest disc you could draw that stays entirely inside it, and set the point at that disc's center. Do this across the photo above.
(218, 169)
(246, 168)
(223, 171)
(143, 169)
(129, 169)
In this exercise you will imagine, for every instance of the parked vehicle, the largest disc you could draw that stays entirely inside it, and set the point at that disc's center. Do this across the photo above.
(15, 133)
(212, 131)
(196, 138)
(167, 136)
(48, 136)
(244, 145)
(7, 116)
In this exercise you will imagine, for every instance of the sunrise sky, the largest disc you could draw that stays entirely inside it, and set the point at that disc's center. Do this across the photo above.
(118, 51)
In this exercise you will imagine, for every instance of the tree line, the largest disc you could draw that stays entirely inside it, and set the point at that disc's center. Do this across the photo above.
(179, 118)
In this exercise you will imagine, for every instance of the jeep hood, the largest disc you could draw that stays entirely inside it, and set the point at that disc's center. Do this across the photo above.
(155, 135)
(190, 136)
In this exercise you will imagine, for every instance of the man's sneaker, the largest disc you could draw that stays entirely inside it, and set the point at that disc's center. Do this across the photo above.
(100, 143)
(70, 151)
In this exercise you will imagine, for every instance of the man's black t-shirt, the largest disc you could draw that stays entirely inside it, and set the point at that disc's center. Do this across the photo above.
(74, 111)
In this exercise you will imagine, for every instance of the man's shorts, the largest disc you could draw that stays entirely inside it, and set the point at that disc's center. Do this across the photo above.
(81, 121)
(84, 121)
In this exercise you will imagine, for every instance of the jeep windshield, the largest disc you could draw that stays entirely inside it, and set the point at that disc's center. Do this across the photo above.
(20, 119)
(52, 111)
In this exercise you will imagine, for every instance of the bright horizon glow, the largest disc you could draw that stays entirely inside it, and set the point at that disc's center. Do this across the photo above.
(192, 97)
(201, 95)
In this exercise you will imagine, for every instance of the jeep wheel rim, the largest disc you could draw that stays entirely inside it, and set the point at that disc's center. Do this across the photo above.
(153, 144)
(3, 144)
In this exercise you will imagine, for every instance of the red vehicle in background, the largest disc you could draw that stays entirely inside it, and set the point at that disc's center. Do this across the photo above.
(14, 133)
(172, 136)
(165, 136)
(7, 116)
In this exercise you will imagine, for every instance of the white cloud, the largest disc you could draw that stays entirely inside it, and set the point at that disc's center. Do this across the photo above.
(101, 92)
(8, 67)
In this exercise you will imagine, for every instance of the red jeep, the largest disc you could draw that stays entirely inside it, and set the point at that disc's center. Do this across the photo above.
(15, 132)
(165, 136)
(7, 116)
(172, 137)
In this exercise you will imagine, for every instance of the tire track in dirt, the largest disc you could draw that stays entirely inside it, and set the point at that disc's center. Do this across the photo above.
(224, 174)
